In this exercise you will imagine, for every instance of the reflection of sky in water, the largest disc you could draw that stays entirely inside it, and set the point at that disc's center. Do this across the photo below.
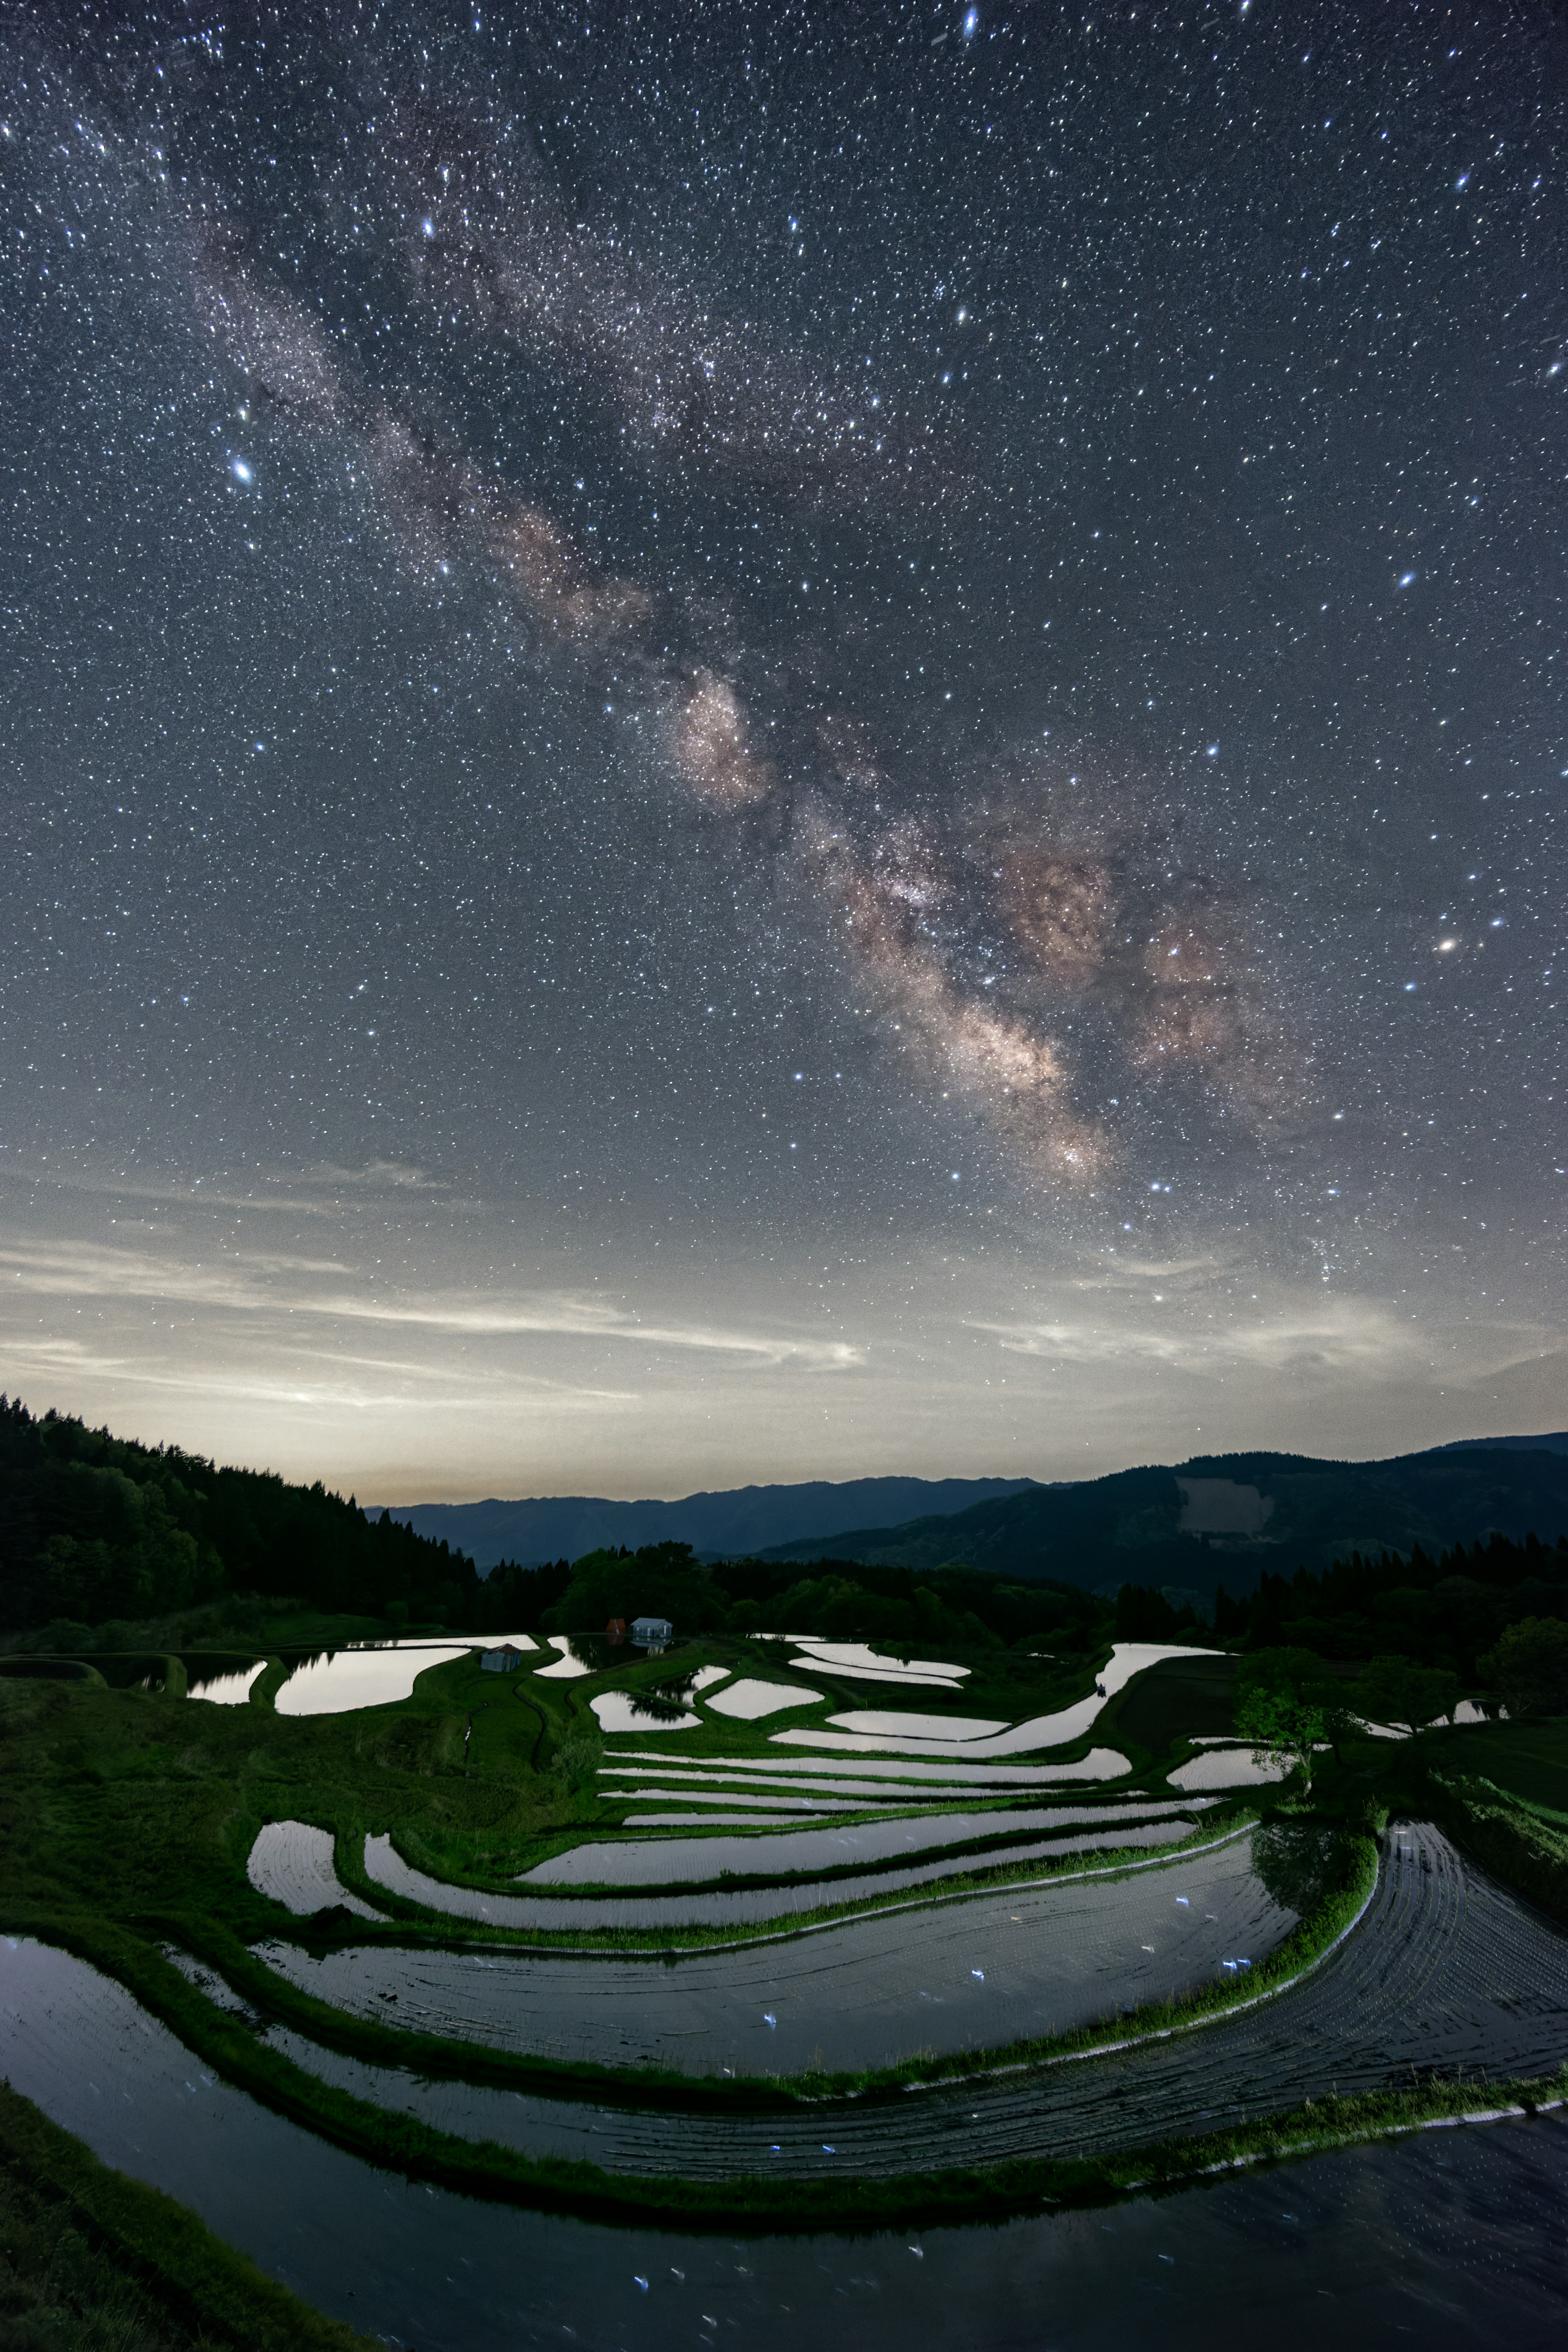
(352, 1678)
(1474, 2215)
(433, 1642)
(1225, 1768)
(574, 1659)
(661, 1706)
(621, 1711)
(917, 1727)
(226, 1690)
(672, 1860)
(1041, 1731)
(762, 1803)
(748, 1699)
(858, 1661)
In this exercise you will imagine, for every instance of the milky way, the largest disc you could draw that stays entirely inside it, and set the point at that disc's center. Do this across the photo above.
(828, 645)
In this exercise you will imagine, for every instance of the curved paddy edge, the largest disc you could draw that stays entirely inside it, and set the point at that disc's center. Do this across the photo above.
(227, 2043)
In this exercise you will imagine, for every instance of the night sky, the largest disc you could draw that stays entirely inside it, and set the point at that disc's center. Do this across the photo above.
(783, 741)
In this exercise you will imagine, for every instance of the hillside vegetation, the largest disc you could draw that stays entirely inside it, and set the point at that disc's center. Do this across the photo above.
(1137, 1527)
(96, 1528)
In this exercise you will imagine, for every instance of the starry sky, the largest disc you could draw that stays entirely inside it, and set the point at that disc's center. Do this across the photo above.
(783, 741)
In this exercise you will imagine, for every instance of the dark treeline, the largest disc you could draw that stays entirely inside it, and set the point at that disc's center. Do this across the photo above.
(838, 1600)
(1441, 1612)
(513, 1598)
(95, 1528)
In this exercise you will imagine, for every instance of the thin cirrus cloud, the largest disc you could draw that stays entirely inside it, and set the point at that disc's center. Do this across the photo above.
(215, 1383)
(270, 1285)
(1350, 1336)
(584, 1319)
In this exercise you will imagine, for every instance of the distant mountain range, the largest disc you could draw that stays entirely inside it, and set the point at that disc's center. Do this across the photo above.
(737, 1522)
(1225, 1518)
(1554, 1441)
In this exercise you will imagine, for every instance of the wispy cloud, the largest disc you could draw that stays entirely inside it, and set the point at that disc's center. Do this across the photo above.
(274, 1284)
(324, 1190)
(570, 1316)
(1350, 1336)
(427, 1388)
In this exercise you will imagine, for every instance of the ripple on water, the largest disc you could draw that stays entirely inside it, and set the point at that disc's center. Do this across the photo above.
(1452, 2239)
(979, 1973)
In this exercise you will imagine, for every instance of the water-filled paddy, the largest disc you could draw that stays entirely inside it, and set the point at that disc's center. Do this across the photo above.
(1445, 1976)
(575, 1660)
(750, 1699)
(1100, 1764)
(293, 1863)
(346, 1679)
(626, 1711)
(1450, 2239)
(757, 1908)
(902, 1726)
(858, 1661)
(222, 1683)
(947, 1737)
(672, 1861)
(132, 1670)
(891, 1771)
(756, 1799)
(695, 1820)
(1226, 1768)
(1021, 1962)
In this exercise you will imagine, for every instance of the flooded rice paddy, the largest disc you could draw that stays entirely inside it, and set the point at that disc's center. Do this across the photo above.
(575, 1660)
(758, 1798)
(221, 1684)
(670, 1862)
(344, 1680)
(887, 1772)
(1452, 2238)
(899, 1724)
(624, 1711)
(293, 1863)
(868, 1992)
(750, 1699)
(1226, 1768)
(579, 1914)
(948, 1736)
(859, 1662)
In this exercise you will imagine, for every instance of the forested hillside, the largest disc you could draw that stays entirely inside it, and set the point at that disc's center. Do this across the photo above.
(94, 1526)
(839, 1599)
(1230, 1519)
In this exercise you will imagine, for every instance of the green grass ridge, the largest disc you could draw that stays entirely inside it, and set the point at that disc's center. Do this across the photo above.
(169, 2280)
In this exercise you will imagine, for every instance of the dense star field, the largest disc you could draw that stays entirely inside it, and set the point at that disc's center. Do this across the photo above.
(783, 741)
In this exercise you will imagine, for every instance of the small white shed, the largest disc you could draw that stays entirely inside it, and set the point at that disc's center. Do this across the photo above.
(653, 1633)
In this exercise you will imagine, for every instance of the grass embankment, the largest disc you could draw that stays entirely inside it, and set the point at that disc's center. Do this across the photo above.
(964, 1869)
(128, 1816)
(1498, 1789)
(91, 2261)
(227, 2043)
(1501, 1792)
(755, 2203)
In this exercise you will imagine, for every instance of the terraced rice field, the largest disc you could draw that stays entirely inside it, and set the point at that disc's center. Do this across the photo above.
(1445, 1974)
(869, 1992)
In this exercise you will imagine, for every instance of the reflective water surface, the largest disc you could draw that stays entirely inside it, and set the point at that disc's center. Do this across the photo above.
(341, 1680)
(1447, 2238)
